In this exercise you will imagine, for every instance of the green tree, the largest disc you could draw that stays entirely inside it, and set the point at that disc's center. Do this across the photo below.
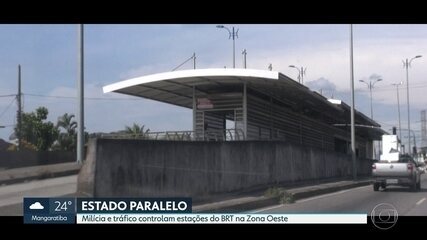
(24, 146)
(37, 131)
(136, 131)
(67, 138)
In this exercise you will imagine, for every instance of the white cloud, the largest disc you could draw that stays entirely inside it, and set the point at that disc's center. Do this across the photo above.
(381, 57)
(36, 205)
(322, 84)
(323, 49)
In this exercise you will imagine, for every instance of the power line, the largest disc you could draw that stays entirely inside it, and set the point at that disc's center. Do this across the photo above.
(8, 106)
(384, 123)
(194, 62)
(87, 98)
(8, 95)
(387, 88)
(393, 125)
(379, 89)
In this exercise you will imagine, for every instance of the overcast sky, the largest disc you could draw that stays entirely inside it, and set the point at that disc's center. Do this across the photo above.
(48, 55)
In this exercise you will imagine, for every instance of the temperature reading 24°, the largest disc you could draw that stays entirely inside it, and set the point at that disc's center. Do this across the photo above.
(62, 206)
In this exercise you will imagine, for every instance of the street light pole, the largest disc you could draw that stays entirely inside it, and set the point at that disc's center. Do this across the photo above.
(407, 64)
(370, 96)
(409, 139)
(398, 107)
(80, 95)
(19, 133)
(234, 51)
(232, 34)
(244, 58)
(415, 143)
(301, 73)
(353, 132)
(370, 86)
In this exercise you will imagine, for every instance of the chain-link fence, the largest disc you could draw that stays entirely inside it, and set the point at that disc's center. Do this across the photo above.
(211, 135)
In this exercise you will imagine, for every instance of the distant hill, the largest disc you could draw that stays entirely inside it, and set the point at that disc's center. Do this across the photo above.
(4, 145)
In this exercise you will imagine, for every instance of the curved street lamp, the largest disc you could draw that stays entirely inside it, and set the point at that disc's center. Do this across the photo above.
(407, 64)
(232, 34)
(301, 73)
(370, 86)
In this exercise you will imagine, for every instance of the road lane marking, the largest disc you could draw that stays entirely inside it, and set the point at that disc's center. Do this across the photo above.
(308, 199)
(421, 201)
(267, 208)
(329, 194)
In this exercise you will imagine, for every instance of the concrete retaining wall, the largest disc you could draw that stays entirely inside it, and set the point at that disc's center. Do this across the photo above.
(200, 169)
(28, 158)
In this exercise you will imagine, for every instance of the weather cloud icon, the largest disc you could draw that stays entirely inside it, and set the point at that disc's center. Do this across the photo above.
(36, 205)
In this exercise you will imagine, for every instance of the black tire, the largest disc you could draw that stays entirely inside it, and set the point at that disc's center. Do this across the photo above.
(383, 185)
(376, 187)
(414, 186)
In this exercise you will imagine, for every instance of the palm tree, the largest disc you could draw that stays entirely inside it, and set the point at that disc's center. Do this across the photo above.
(136, 130)
(67, 140)
(66, 122)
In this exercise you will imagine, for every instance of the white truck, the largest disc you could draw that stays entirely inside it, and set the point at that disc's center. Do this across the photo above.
(395, 168)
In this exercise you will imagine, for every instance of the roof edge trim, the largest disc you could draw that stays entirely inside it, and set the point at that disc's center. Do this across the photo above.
(211, 72)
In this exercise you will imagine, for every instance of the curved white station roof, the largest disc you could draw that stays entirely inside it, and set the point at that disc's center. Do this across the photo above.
(196, 73)
(177, 87)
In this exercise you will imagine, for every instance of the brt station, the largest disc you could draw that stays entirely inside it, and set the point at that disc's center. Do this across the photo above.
(252, 129)
(260, 105)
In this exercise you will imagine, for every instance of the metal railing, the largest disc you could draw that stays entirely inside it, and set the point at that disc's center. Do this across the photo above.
(210, 135)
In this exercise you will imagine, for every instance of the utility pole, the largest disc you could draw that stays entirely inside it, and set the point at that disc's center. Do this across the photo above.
(234, 50)
(194, 60)
(406, 65)
(423, 129)
(302, 74)
(353, 136)
(398, 108)
(19, 115)
(80, 95)
(244, 58)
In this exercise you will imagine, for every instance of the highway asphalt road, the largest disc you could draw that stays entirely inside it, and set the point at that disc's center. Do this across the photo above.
(355, 200)
(360, 200)
(11, 196)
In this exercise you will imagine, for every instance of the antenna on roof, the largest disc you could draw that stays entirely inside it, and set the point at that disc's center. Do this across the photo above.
(194, 62)
(270, 67)
(244, 58)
